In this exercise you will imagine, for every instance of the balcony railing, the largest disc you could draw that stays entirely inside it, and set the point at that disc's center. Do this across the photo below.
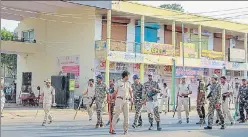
(17, 39)
(153, 48)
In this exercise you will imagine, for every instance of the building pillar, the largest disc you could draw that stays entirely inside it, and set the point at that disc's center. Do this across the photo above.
(108, 49)
(245, 47)
(142, 40)
(199, 40)
(174, 36)
(224, 51)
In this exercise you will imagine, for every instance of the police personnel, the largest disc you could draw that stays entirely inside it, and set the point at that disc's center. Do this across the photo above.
(215, 100)
(138, 90)
(100, 94)
(90, 93)
(164, 100)
(183, 99)
(112, 105)
(201, 100)
(122, 95)
(48, 101)
(226, 93)
(150, 98)
(242, 99)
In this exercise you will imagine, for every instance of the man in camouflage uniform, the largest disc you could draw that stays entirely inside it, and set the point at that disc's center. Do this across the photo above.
(101, 91)
(242, 99)
(201, 100)
(150, 98)
(215, 100)
(138, 89)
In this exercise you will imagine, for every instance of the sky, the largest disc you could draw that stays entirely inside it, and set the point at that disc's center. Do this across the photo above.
(189, 6)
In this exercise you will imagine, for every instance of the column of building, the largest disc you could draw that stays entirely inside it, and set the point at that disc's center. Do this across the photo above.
(245, 47)
(142, 40)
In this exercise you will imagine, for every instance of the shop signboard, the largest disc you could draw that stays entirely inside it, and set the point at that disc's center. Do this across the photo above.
(212, 54)
(100, 49)
(236, 55)
(158, 49)
(117, 56)
(189, 72)
(70, 64)
(189, 50)
(206, 63)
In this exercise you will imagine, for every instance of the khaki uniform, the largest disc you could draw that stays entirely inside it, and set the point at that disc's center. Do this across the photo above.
(164, 99)
(90, 96)
(183, 100)
(47, 102)
(2, 100)
(225, 103)
(122, 103)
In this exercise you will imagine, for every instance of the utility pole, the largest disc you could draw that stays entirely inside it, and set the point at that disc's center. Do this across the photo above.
(183, 47)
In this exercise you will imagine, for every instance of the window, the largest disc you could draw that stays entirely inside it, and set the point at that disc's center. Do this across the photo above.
(28, 36)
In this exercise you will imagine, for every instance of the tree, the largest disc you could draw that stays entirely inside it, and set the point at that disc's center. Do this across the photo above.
(8, 61)
(175, 6)
(6, 35)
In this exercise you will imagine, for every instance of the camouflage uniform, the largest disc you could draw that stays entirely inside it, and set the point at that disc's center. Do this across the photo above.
(152, 102)
(243, 96)
(215, 97)
(137, 92)
(101, 91)
(201, 100)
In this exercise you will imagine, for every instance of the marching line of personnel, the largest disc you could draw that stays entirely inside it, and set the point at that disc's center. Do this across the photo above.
(123, 92)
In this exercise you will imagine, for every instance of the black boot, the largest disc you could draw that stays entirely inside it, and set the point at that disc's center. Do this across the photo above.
(200, 122)
(223, 126)
(158, 126)
(151, 127)
(207, 127)
(187, 120)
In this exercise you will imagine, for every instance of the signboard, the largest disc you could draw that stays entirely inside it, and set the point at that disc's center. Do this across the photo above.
(70, 64)
(212, 54)
(118, 56)
(158, 49)
(99, 4)
(72, 84)
(236, 55)
(206, 63)
(190, 72)
(189, 50)
(100, 49)
(203, 32)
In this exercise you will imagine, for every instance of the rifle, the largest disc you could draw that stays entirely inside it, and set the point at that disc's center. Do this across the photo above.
(176, 108)
(94, 98)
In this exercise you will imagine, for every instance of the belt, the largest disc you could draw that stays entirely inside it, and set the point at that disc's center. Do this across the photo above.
(184, 96)
(122, 98)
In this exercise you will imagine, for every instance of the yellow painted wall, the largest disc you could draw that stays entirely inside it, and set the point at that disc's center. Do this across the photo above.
(60, 38)
(156, 12)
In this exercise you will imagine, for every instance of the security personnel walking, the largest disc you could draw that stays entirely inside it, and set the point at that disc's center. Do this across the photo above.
(242, 99)
(215, 100)
(165, 97)
(48, 101)
(226, 94)
(122, 95)
(138, 90)
(90, 93)
(112, 105)
(100, 94)
(150, 98)
(201, 100)
(183, 100)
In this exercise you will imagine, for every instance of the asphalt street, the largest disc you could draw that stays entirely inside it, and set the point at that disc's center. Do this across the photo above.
(22, 123)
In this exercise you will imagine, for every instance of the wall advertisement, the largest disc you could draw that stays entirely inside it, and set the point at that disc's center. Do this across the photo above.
(158, 49)
(236, 55)
(212, 54)
(70, 64)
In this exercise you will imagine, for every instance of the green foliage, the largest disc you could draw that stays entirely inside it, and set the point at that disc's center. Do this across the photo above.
(10, 63)
(6, 35)
(175, 6)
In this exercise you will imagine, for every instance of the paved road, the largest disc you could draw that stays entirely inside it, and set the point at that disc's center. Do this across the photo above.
(22, 124)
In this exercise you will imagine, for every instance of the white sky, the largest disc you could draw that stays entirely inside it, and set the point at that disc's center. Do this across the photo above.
(189, 6)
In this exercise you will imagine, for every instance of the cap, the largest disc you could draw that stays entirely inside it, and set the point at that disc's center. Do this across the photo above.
(150, 74)
(99, 76)
(48, 81)
(183, 77)
(214, 76)
(135, 77)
